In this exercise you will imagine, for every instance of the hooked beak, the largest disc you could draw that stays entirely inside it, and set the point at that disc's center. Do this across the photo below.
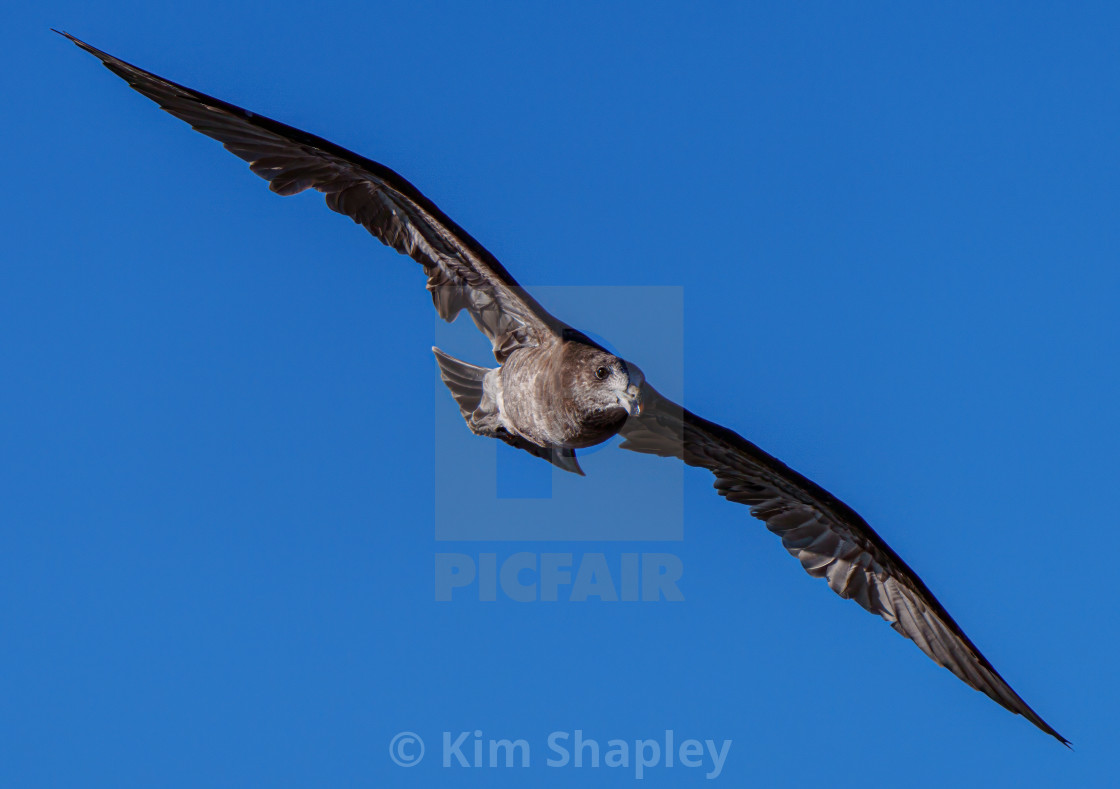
(633, 401)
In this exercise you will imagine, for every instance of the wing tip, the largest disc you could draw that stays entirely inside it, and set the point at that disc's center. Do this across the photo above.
(1053, 733)
(74, 39)
(104, 57)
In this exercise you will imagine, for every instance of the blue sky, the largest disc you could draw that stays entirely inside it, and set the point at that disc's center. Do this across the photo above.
(878, 239)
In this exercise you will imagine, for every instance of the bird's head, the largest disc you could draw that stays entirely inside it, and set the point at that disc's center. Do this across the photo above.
(609, 382)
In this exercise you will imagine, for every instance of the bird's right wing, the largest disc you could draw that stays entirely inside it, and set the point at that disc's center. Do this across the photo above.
(462, 274)
(827, 536)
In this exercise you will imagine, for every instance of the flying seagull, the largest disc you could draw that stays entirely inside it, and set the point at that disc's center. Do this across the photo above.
(556, 391)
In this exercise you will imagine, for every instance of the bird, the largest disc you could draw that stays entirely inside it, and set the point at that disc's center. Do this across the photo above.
(556, 390)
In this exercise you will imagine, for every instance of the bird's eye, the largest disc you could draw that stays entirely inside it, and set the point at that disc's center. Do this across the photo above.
(602, 373)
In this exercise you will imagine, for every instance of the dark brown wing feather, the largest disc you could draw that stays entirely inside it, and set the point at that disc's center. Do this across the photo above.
(827, 536)
(461, 273)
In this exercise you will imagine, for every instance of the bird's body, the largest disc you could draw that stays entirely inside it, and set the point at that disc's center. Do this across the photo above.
(557, 391)
(551, 399)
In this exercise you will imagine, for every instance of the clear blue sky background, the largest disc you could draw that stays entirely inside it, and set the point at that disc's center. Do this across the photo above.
(895, 232)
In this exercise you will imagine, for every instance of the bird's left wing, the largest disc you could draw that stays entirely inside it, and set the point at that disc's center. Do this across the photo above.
(462, 274)
(826, 535)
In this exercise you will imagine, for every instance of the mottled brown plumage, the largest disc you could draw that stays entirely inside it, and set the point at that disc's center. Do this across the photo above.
(557, 391)
(568, 393)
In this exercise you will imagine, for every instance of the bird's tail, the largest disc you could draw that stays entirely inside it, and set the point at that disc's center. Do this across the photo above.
(463, 380)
